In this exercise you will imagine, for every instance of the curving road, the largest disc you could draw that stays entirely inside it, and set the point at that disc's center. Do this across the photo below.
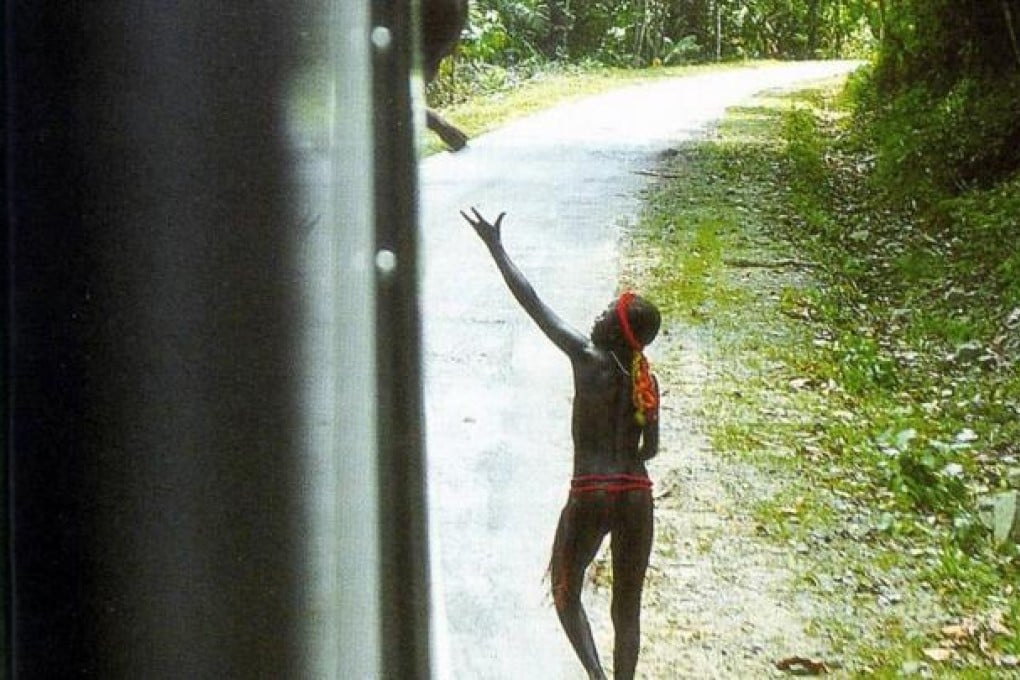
(497, 392)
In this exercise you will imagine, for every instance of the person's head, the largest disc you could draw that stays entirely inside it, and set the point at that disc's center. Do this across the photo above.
(641, 316)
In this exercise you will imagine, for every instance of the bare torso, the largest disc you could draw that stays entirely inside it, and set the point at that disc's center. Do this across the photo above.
(606, 436)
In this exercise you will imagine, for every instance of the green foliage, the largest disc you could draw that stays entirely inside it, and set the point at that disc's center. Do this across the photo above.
(891, 399)
(927, 476)
(681, 51)
(918, 342)
(985, 221)
(803, 150)
(941, 106)
(808, 30)
(861, 364)
(504, 32)
(485, 38)
(507, 42)
(1012, 645)
(920, 315)
(936, 43)
(930, 145)
(646, 32)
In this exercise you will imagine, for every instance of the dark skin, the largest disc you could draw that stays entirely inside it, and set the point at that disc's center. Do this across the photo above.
(442, 22)
(607, 441)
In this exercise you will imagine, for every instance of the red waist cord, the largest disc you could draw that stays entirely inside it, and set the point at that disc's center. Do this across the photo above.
(617, 483)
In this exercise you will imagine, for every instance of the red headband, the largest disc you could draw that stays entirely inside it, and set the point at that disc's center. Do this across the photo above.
(646, 400)
(621, 315)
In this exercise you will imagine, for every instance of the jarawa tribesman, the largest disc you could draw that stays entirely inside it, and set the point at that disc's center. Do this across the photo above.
(615, 430)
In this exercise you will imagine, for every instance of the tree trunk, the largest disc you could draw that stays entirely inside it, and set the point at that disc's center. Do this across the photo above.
(838, 36)
(812, 28)
(640, 29)
(1012, 30)
(559, 28)
(881, 21)
(718, 31)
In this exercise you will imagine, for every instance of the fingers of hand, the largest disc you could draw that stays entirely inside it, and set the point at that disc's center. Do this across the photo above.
(476, 220)
(480, 223)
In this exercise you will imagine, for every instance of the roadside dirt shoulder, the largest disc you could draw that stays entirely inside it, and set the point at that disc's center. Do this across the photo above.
(722, 599)
(719, 601)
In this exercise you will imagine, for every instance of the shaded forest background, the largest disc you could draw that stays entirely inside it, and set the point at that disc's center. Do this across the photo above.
(645, 32)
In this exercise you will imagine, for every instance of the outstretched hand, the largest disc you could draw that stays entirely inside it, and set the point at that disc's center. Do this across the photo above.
(489, 233)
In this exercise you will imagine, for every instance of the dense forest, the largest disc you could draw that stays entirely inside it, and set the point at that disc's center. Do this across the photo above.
(644, 32)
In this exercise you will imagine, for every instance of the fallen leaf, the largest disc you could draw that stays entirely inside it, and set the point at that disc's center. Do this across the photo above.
(799, 665)
(1014, 318)
(955, 632)
(998, 628)
(939, 653)
(953, 470)
(966, 435)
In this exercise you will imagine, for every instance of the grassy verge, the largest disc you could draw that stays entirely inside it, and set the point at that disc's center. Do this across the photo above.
(862, 359)
(476, 106)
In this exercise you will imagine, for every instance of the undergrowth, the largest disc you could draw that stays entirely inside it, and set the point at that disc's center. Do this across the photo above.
(869, 356)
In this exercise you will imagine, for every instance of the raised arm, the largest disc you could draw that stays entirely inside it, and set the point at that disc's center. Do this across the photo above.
(562, 334)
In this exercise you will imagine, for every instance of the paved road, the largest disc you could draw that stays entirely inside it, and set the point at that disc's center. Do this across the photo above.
(497, 392)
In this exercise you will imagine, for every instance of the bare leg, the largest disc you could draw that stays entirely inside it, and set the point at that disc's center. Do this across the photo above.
(578, 537)
(453, 137)
(631, 545)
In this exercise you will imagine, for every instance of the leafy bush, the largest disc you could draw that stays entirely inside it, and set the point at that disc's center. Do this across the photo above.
(504, 33)
(929, 476)
(984, 221)
(682, 51)
(930, 145)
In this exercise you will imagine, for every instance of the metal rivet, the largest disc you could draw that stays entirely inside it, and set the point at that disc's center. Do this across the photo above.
(382, 38)
(386, 262)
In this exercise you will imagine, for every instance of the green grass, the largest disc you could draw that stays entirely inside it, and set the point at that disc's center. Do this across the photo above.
(874, 387)
(505, 101)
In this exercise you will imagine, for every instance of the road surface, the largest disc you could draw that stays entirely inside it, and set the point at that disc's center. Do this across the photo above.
(497, 392)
